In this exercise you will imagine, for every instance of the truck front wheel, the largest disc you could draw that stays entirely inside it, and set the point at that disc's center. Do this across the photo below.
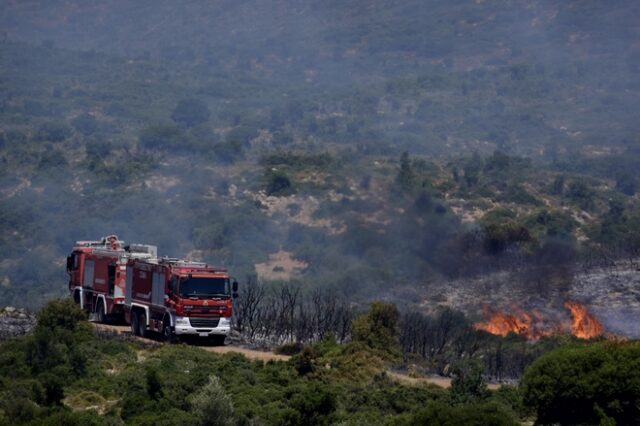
(142, 324)
(102, 317)
(134, 323)
(167, 333)
(218, 340)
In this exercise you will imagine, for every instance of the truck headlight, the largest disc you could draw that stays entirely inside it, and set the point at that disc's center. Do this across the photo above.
(225, 321)
(182, 321)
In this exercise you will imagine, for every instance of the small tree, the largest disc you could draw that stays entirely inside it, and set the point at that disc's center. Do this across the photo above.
(557, 187)
(60, 314)
(627, 183)
(377, 328)
(53, 131)
(472, 170)
(154, 385)
(582, 194)
(162, 136)
(468, 385)
(278, 183)
(406, 178)
(190, 112)
(85, 124)
(212, 405)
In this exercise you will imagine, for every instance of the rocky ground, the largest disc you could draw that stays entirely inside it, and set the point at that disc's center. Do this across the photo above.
(15, 322)
(613, 294)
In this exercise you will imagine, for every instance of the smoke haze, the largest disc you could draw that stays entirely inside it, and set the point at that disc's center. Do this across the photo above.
(378, 149)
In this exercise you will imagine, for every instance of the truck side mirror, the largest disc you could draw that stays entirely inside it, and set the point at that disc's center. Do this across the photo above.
(234, 286)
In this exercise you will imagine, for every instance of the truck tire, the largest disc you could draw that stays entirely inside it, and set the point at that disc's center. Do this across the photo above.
(142, 324)
(101, 316)
(167, 333)
(218, 340)
(134, 323)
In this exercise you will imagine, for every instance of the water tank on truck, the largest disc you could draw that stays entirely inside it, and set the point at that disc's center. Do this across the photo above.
(97, 274)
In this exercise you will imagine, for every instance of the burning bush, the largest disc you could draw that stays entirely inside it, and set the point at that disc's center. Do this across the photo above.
(533, 325)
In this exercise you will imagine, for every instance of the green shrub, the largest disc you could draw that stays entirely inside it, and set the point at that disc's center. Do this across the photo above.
(377, 328)
(190, 112)
(60, 314)
(85, 124)
(162, 136)
(468, 385)
(486, 414)
(278, 183)
(54, 131)
(585, 384)
(212, 405)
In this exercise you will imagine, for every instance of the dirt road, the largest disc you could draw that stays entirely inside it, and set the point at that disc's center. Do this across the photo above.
(443, 382)
(249, 353)
(270, 356)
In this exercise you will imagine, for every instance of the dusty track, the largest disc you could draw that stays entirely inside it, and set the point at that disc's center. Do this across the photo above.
(443, 382)
(270, 356)
(249, 353)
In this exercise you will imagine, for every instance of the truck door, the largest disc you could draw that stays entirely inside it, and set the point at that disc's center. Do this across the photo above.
(89, 266)
(111, 273)
(157, 289)
(128, 290)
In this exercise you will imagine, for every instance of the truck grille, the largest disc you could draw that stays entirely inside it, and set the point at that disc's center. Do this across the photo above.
(205, 309)
(204, 322)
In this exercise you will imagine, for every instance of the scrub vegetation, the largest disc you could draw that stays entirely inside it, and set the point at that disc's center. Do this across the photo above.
(377, 175)
(63, 374)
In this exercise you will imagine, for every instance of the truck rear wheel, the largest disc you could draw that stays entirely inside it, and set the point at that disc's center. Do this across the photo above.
(142, 324)
(134, 323)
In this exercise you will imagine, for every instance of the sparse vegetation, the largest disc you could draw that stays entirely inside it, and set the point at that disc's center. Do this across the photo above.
(330, 156)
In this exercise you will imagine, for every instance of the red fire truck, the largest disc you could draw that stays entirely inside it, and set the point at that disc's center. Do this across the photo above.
(97, 273)
(176, 297)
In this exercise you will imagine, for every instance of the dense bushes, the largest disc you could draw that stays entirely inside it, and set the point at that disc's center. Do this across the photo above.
(592, 384)
(190, 112)
(485, 414)
(62, 370)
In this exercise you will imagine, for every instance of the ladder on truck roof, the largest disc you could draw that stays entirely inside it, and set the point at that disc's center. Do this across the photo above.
(174, 261)
(111, 244)
(181, 263)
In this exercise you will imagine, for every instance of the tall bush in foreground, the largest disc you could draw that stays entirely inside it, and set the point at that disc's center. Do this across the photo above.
(596, 384)
(212, 405)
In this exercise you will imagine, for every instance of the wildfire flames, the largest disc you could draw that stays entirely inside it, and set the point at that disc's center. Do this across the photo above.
(532, 324)
(583, 324)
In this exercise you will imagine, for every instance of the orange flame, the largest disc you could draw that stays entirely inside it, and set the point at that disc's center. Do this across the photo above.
(523, 323)
(532, 325)
(583, 324)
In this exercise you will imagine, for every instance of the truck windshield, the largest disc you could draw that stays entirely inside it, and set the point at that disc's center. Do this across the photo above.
(204, 287)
